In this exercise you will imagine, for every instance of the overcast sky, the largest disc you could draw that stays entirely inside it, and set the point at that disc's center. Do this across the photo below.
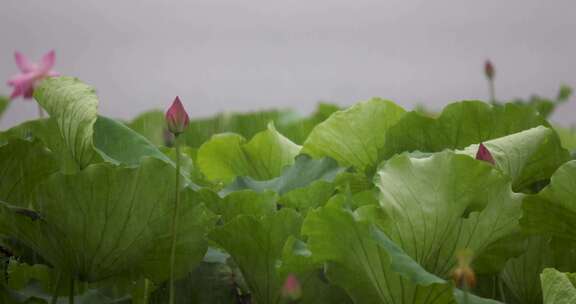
(248, 55)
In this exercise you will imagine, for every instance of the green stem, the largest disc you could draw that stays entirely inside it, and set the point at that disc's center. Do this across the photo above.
(40, 111)
(175, 222)
(71, 294)
(466, 290)
(146, 288)
(501, 288)
(492, 91)
(56, 287)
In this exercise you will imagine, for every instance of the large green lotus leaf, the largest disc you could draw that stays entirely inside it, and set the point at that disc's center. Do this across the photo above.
(304, 172)
(521, 275)
(245, 202)
(367, 264)
(353, 136)
(558, 287)
(289, 123)
(228, 155)
(152, 125)
(22, 131)
(245, 124)
(195, 221)
(438, 204)
(23, 165)
(297, 260)
(527, 156)
(256, 246)
(302, 199)
(98, 222)
(19, 276)
(46, 131)
(459, 125)
(298, 130)
(73, 106)
(553, 210)
(118, 144)
(567, 136)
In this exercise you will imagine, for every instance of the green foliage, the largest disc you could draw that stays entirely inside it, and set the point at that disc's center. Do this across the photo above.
(99, 222)
(553, 210)
(353, 136)
(72, 106)
(368, 204)
(255, 244)
(228, 155)
(546, 106)
(559, 288)
(150, 125)
(459, 125)
(118, 144)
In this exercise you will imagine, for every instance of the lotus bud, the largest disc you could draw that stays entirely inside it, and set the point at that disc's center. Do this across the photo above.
(489, 70)
(177, 118)
(463, 275)
(291, 289)
(484, 154)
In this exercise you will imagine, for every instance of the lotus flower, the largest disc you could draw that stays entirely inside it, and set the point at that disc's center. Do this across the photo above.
(291, 288)
(176, 117)
(484, 154)
(489, 70)
(30, 74)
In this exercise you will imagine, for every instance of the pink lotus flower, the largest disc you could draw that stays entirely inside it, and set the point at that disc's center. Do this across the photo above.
(31, 74)
(176, 117)
(291, 288)
(484, 154)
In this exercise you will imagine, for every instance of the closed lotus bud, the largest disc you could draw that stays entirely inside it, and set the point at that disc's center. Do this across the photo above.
(291, 289)
(176, 117)
(489, 70)
(484, 154)
(463, 275)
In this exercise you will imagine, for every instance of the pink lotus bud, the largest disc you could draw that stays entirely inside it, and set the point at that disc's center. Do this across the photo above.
(176, 117)
(484, 154)
(489, 70)
(291, 289)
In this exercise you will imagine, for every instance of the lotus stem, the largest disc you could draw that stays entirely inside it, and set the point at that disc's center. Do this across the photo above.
(175, 223)
(492, 91)
(466, 291)
(501, 288)
(56, 287)
(146, 291)
(71, 294)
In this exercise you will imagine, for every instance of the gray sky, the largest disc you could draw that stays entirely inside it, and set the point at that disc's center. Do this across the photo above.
(248, 55)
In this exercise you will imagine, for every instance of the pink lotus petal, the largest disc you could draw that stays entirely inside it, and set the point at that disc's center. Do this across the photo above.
(31, 74)
(23, 63)
(16, 92)
(23, 85)
(484, 154)
(47, 62)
